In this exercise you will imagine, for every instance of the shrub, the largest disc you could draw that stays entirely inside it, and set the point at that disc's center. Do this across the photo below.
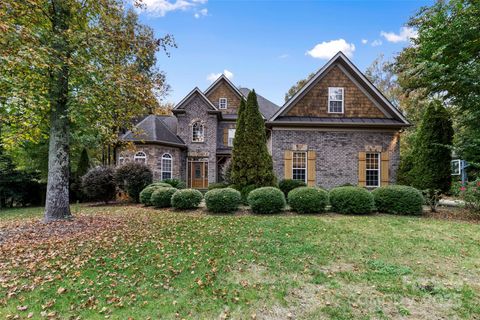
(99, 184)
(398, 200)
(223, 200)
(246, 191)
(308, 200)
(186, 199)
(470, 193)
(162, 197)
(288, 185)
(175, 183)
(133, 177)
(354, 200)
(218, 185)
(266, 200)
(146, 194)
(160, 184)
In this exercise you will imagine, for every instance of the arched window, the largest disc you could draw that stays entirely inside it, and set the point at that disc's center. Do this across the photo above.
(166, 166)
(197, 132)
(140, 156)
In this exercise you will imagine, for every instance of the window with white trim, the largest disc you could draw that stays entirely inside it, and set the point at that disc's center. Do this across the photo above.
(198, 132)
(222, 103)
(231, 135)
(299, 166)
(166, 166)
(372, 165)
(335, 100)
(140, 156)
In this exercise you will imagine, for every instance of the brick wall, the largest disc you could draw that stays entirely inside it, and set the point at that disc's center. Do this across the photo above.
(315, 102)
(336, 152)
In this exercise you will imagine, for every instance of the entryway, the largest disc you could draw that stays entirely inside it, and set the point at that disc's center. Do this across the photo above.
(197, 172)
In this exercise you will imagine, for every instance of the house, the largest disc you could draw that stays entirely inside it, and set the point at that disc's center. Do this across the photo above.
(338, 129)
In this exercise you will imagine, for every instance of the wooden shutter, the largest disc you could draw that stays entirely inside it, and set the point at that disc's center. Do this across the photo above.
(362, 169)
(311, 168)
(384, 166)
(225, 136)
(288, 164)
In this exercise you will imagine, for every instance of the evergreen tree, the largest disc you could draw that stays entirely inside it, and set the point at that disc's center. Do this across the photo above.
(251, 162)
(432, 152)
(83, 164)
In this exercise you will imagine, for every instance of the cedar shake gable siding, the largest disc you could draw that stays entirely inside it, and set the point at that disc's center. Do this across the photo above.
(315, 102)
(224, 90)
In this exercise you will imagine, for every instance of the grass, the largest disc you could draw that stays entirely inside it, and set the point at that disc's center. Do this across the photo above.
(128, 261)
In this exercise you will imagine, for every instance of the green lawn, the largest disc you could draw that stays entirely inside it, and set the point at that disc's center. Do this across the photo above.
(125, 261)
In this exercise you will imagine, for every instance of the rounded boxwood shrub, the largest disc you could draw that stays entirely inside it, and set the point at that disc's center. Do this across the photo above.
(186, 199)
(266, 200)
(162, 197)
(146, 194)
(288, 185)
(99, 184)
(217, 185)
(160, 184)
(133, 177)
(351, 200)
(175, 183)
(398, 200)
(308, 200)
(223, 200)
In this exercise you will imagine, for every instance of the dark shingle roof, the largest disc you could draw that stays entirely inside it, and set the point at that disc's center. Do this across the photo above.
(155, 129)
(267, 107)
(346, 121)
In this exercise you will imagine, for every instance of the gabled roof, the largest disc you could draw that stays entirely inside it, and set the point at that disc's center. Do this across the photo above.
(224, 78)
(156, 129)
(267, 108)
(385, 105)
(181, 104)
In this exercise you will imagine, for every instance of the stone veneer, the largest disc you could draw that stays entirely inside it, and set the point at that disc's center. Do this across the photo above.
(336, 152)
(197, 110)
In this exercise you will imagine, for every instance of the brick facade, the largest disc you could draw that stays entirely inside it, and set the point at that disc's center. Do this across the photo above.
(336, 152)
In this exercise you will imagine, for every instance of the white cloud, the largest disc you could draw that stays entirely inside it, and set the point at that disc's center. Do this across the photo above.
(161, 7)
(214, 76)
(376, 43)
(405, 34)
(326, 50)
(364, 41)
(201, 13)
(283, 56)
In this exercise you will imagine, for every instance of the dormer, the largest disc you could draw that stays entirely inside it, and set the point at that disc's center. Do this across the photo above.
(224, 95)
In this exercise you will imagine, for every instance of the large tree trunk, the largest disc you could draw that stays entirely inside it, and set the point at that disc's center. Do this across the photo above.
(57, 204)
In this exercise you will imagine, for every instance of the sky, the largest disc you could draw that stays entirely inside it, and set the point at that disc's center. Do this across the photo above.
(270, 45)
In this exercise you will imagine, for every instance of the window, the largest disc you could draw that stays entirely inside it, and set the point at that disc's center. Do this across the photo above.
(166, 166)
(231, 135)
(222, 103)
(140, 157)
(335, 100)
(372, 163)
(299, 166)
(197, 132)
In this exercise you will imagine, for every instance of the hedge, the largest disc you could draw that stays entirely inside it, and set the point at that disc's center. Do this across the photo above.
(266, 200)
(308, 200)
(186, 199)
(398, 200)
(146, 194)
(223, 200)
(99, 184)
(175, 183)
(162, 197)
(288, 185)
(351, 200)
(133, 177)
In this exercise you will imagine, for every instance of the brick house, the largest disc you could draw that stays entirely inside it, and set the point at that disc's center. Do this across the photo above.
(338, 129)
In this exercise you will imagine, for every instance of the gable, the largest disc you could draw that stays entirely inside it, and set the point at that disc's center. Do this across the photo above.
(195, 93)
(357, 104)
(223, 89)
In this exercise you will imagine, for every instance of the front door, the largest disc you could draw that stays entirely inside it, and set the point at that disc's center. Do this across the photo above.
(198, 174)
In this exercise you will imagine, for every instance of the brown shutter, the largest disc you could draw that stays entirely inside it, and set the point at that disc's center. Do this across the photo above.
(384, 169)
(362, 169)
(288, 164)
(311, 168)
(225, 136)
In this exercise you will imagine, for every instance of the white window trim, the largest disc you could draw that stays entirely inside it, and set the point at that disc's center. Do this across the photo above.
(220, 103)
(228, 137)
(203, 132)
(171, 165)
(379, 170)
(138, 156)
(343, 99)
(306, 164)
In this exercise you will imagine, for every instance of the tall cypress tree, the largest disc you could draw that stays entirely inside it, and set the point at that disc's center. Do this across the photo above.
(251, 162)
(432, 150)
(83, 164)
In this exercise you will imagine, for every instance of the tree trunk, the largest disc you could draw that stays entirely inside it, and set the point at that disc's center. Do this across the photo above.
(57, 204)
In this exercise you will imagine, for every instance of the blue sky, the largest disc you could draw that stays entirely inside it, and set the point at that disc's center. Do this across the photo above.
(269, 45)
